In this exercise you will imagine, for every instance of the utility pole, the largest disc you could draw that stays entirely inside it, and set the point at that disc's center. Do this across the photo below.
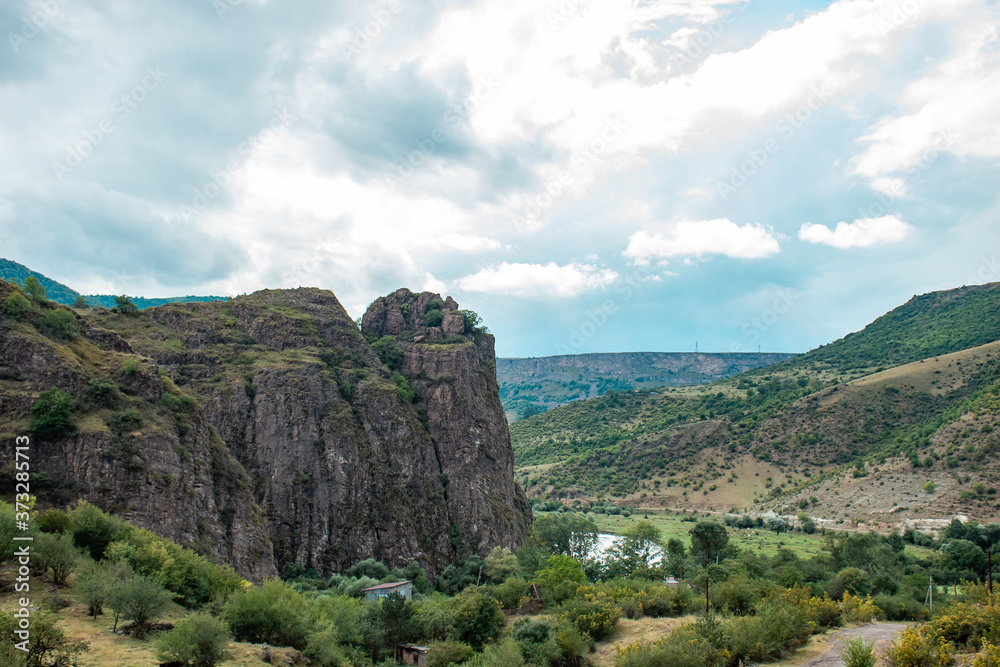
(929, 598)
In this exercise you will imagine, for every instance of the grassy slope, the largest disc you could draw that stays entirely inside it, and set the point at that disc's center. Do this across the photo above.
(13, 272)
(771, 431)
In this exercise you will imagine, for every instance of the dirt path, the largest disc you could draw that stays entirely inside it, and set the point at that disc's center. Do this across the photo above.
(881, 633)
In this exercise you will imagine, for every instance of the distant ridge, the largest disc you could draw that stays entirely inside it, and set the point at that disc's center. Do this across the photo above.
(13, 272)
(534, 384)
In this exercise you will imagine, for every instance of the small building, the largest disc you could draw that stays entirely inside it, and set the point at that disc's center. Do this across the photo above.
(404, 588)
(410, 654)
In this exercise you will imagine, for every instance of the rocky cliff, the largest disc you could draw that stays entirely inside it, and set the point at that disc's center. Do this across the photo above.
(449, 360)
(270, 422)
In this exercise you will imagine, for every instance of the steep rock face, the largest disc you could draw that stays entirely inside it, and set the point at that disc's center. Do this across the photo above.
(269, 421)
(165, 472)
(454, 373)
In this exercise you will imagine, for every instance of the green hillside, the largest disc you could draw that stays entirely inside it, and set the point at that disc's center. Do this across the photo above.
(925, 326)
(141, 302)
(799, 428)
(13, 272)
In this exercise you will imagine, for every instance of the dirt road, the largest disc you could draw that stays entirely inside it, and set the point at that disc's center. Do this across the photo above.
(881, 633)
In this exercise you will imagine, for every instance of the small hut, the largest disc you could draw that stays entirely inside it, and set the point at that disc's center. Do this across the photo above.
(404, 588)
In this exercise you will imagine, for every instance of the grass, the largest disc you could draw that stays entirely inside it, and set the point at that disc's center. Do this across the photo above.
(108, 648)
(630, 631)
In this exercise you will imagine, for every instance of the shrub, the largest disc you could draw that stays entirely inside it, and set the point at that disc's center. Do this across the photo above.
(478, 618)
(501, 565)
(511, 593)
(47, 644)
(93, 530)
(929, 487)
(442, 654)
(125, 422)
(200, 641)
(97, 582)
(57, 554)
(856, 610)
(503, 654)
(58, 323)
(900, 608)
(124, 305)
(33, 286)
(990, 656)
(16, 306)
(52, 414)
(433, 318)
(53, 521)
(596, 619)
(389, 352)
(858, 653)
(273, 613)
(140, 599)
(102, 393)
(683, 647)
(918, 649)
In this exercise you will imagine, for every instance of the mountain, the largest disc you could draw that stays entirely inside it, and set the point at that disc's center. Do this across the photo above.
(267, 431)
(13, 272)
(532, 385)
(799, 435)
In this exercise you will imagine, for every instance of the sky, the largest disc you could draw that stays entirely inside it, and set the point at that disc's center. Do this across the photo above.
(606, 176)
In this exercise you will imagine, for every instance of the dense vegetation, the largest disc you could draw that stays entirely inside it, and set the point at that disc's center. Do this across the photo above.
(757, 608)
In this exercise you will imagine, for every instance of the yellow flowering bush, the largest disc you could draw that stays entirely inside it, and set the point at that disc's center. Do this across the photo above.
(990, 657)
(857, 610)
(920, 648)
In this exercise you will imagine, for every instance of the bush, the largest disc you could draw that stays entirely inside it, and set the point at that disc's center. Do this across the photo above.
(57, 554)
(51, 414)
(47, 645)
(389, 352)
(990, 656)
(683, 647)
(96, 583)
(919, 649)
(33, 286)
(446, 653)
(511, 593)
(478, 618)
(102, 393)
(93, 530)
(200, 641)
(858, 653)
(124, 305)
(125, 422)
(900, 608)
(433, 318)
(856, 610)
(58, 323)
(140, 599)
(53, 521)
(500, 565)
(596, 619)
(16, 306)
(273, 613)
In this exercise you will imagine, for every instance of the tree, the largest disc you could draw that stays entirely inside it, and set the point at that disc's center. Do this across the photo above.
(389, 352)
(571, 534)
(16, 306)
(633, 553)
(433, 318)
(93, 530)
(395, 616)
(35, 289)
(141, 599)
(59, 324)
(561, 569)
(501, 565)
(97, 583)
(79, 303)
(708, 539)
(52, 414)
(57, 554)
(675, 557)
(478, 618)
(777, 524)
(200, 641)
(124, 305)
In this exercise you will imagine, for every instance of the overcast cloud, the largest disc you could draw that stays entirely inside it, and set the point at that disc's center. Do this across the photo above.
(668, 171)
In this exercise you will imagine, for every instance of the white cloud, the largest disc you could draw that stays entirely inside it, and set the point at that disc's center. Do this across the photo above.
(705, 237)
(953, 110)
(858, 234)
(538, 280)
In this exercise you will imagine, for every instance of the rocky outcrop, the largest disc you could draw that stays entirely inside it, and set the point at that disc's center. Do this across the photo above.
(161, 470)
(453, 369)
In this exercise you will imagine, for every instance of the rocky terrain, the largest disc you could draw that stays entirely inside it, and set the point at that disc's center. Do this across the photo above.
(266, 432)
